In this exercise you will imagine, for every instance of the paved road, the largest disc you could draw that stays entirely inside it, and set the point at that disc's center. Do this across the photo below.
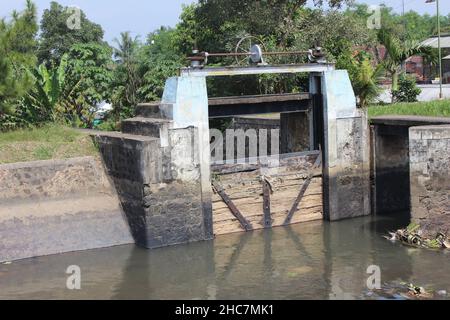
(429, 93)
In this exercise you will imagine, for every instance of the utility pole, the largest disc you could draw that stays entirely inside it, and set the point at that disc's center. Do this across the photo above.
(403, 2)
(441, 94)
(404, 32)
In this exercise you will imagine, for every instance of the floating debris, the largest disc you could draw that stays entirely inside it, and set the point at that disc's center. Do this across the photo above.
(418, 292)
(442, 293)
(7, 263)
(399, 290)
(413, 236)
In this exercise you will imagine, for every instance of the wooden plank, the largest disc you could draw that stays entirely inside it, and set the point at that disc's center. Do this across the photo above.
(228, 227)
(266, 200)
(223, 216)
(291, 162)
(226, 101)
(244, 223)
(302, 191)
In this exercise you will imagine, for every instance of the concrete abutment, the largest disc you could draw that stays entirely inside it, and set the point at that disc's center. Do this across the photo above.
(430, 178)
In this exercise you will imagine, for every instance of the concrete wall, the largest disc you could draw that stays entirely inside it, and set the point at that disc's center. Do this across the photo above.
(159, 187)
(132, 165)
(430, 178)
(185, 102)
(50, 207)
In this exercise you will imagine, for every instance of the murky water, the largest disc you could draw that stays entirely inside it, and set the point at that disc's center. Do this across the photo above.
(308, 261)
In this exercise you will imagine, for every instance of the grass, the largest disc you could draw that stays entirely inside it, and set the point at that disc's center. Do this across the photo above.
(430, 109)
(45, 143)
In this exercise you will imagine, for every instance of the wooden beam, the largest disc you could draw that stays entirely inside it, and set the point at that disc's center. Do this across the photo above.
(242, 100)
(234, 210)
(230, 110)
(302, 191)
(297, 201)
(267, 222)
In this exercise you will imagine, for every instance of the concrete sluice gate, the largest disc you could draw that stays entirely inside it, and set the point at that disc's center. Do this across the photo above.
(410, 169)
(173, 190)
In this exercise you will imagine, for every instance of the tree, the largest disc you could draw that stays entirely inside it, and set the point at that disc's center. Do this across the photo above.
(397, 52)
(349, 31)
(71, 90)
(185, 32)
(49, 95)
(365, 75)
(217, 26)
(58, 36)
(366, 80)
(408, 90)
(19, 36)
(17, 47)
(89, 74)
(218, 20)
(127, 79)
(11, 88)
(160, 58)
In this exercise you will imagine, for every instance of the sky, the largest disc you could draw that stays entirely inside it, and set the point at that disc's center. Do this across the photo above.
(143, 16)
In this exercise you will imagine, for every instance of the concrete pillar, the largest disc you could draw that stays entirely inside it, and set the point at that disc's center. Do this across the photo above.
(346, 147)
(295, 132)
(185, 101)
(429, 148)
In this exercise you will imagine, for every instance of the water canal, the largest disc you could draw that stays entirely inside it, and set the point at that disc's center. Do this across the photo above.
(315, 260)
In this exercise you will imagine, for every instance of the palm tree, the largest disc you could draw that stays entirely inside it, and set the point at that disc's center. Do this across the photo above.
(366, 81)
(397, 52)
(126, 58)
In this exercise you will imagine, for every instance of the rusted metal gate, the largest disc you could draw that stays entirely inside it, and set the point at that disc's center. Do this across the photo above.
(249, 197)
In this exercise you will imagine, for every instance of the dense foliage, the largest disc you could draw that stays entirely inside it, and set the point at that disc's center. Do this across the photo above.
(47, 96)
(407, 90)
(17, 54)
(57, 37)
(56, 72)
(89, 76)
(366, 78)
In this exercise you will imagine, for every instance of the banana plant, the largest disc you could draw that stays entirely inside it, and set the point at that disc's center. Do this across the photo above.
(50, 95)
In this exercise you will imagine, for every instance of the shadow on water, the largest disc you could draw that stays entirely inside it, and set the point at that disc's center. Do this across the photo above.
(317, 260)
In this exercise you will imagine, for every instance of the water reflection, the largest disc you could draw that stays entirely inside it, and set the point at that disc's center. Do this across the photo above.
(308, 261)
